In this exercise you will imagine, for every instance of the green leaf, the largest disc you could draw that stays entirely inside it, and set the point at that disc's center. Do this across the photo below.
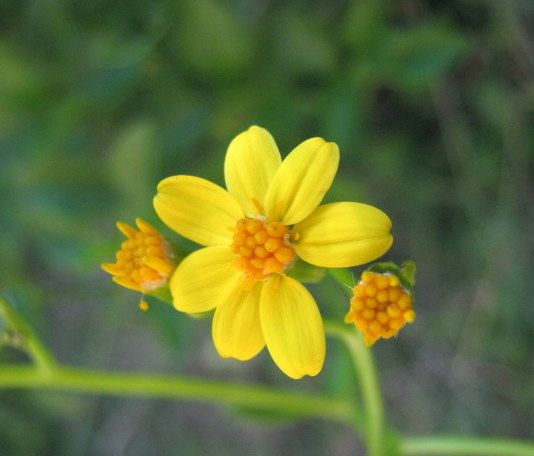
(406, 273)
(134, 159)
(409, 271)
(302, 47)
(210, 40)
(416, 58)
(18, 77)
(364, 26)
(114, 71)
(305, 272)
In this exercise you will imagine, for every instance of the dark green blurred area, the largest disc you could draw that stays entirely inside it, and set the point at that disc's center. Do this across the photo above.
(431, 103)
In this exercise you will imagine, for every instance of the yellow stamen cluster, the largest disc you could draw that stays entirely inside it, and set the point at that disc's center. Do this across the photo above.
(380, 307)
(261, 247)
(145, 260)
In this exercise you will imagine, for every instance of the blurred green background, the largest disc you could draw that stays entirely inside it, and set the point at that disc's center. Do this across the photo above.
(431, 103)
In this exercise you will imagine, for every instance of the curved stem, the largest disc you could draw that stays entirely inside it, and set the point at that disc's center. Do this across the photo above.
(367, 373)
(368, 377)
(465, 446)
(32, 343)
(175, 387)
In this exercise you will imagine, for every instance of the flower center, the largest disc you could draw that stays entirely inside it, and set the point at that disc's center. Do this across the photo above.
(262, 247)
(380, 307)
(144, 261)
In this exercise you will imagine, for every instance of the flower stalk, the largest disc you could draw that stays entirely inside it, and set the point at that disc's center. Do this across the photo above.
(30, 342)
(92, 381)
(48, 374)
(364, 365)
(464, 446)
(362, 358)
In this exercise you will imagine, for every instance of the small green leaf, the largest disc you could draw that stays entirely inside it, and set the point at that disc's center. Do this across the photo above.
(406, 273)
(163, 294)
(409, 271)
(305, 272)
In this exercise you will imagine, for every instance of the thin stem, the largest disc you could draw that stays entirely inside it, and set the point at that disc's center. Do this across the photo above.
(465, 446)
(363, 361)
(32, 343)
(195, 389)
(368, 377)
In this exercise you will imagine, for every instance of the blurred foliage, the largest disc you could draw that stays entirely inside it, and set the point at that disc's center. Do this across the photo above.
(431, 103)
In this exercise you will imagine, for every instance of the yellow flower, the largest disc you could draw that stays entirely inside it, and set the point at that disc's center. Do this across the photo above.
(380, 306)
(145, 260)
(253, 233)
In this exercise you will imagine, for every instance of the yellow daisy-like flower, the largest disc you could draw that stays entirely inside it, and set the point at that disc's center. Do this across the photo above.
(145, 260)
(253, 232)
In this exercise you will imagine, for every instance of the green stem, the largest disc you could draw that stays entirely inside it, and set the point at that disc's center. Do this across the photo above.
(363, 361)
(368, 378)
(466, 446)
(175, 387)
(32, 343)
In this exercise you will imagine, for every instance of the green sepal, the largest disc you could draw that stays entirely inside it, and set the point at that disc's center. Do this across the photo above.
(305, 272)
(344, 277)
(409, 272)
(406, 273)
(163, 294)
(178, 253)
(201, 315)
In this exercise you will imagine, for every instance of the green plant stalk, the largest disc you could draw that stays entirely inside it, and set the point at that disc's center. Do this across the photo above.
(375, 426)
(465, 446)
(47, 374)
(362, 358)
(265, 398)
(194, 389)
(33, 345)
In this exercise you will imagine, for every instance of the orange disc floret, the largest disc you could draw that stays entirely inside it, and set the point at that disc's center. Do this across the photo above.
(261, 247)
(145, 260)
(380, 306)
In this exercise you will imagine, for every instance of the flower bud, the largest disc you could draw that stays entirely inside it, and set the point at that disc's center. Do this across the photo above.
(144, 262)
(382, 302)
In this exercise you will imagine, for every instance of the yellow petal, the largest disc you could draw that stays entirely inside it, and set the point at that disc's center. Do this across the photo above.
(341, 235)
(301, 181)
(251, 161)
(203, 279)
(236, 326)
(144, 226)
(197, 209)
(159, 264)
(127, 283)
(127, 230)
(112, 268)
(292, 327)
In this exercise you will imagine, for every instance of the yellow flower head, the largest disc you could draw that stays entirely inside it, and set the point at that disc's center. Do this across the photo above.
(380, 306)
(145, 260)
(253, 232)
